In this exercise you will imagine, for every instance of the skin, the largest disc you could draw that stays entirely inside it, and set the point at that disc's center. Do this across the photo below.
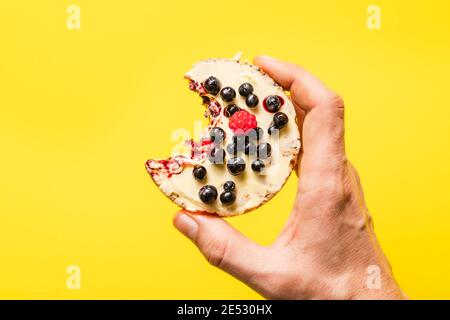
(328, 248)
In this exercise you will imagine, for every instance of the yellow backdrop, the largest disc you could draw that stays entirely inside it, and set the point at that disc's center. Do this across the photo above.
(82, 109)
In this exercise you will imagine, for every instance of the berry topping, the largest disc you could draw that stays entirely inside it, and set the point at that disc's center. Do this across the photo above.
(250, 148)
(280, 120)
(245, 89)
(241, 122)
(258, 165)
(236, 165)
(255, 134)
(273, 130)
(227, 197)
(212, 85)
(228, 94)
(216, 155)
(193, 85)
(199, 172)
(273, 103)
(217, 135)
(208, 194)
(251, 101)
(264, 150)
(230, 110)
(206, 100)
(229, 186)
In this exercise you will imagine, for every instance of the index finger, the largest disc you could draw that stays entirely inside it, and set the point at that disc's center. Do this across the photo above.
(306, 90)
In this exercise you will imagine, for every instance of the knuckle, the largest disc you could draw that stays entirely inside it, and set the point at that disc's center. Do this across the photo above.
(215, 252)
(336, 100)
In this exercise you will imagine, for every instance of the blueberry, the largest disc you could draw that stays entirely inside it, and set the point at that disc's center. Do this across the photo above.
(236, 165)
(231, 148)
(250, 148)
(199, 172)
(229, 186)
(216, 155)
(258, 165)
(217, 135)
(273, 130)
(280, 120)
(251, 101)
(245, 89)
(227, 94)
(208, 194)
(212, 85)
(227, 197)
(230, 110)
(255, 134)
(273, 103)
(234, 149)
(264, 150)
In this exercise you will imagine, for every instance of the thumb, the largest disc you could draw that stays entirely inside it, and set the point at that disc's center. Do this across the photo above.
(222, 245)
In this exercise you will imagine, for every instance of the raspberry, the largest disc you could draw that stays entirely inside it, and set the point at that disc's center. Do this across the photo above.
(242, 121)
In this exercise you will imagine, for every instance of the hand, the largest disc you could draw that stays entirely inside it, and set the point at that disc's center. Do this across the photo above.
(328, 245)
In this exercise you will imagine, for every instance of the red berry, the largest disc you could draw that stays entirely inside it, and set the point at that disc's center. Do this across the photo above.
(242, 121)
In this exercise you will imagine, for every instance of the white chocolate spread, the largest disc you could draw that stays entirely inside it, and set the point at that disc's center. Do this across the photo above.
(174, 176)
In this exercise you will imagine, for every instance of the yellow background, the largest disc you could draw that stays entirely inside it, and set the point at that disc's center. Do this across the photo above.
(81, 110)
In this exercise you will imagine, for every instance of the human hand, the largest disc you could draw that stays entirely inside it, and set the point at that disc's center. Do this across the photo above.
(328, 242)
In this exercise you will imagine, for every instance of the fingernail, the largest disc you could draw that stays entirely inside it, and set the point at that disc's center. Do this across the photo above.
(186, 225)
(267, 58)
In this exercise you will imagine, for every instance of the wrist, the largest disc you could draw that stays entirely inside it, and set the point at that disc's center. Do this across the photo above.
(374, 281)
